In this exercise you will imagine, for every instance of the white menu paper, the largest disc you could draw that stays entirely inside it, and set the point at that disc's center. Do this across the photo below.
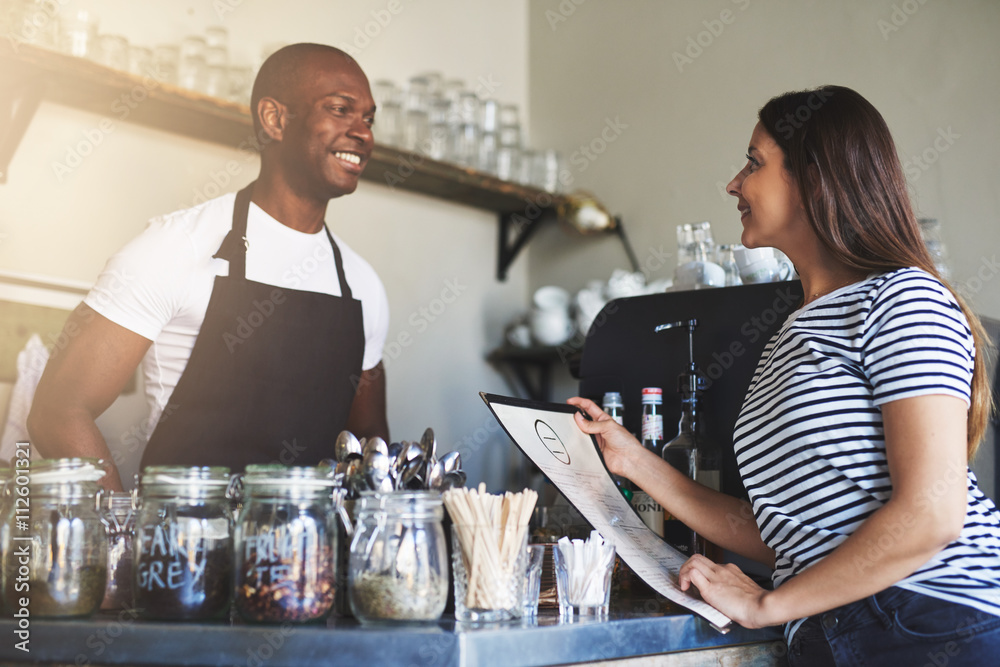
(549, 436)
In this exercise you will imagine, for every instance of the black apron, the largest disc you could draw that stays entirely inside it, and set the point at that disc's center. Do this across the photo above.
(272, 374)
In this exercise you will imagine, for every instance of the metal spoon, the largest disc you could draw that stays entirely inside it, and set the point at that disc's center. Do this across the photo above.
(451, 461)
(428, 443)
(376, 444)
(375, 468)
(346, 443)
(453, 479)
(435, 475)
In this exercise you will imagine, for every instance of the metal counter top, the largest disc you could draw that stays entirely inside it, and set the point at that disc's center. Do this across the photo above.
(119, 639)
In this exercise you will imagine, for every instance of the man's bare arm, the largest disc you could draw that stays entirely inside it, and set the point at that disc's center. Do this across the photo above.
(367, 416)
(80, 381)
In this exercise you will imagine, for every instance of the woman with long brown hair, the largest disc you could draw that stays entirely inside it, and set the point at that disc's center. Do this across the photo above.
(854, 437)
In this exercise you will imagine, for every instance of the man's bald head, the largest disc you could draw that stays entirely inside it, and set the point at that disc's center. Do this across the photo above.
(283, 74)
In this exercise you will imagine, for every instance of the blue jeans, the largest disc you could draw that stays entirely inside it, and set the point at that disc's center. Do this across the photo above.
(898, 628)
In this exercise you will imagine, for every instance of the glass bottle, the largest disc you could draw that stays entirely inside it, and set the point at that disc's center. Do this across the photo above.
(119, 507)
(652, 419)
(183, 543)
(286, 544)
(682, 452)
(399, 559)
(56, 563)
(612, 404)
(650, 511)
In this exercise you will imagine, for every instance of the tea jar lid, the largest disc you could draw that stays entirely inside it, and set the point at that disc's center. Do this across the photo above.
(56, 471)
(276, 474)
(197, 481)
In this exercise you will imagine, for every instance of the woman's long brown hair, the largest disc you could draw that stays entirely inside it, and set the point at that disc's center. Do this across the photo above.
(839, 150)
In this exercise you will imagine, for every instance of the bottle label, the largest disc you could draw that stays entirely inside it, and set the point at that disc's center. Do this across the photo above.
(650, 511)
(652, 427)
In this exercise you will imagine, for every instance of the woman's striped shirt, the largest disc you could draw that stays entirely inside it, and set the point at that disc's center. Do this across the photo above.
(809, 439)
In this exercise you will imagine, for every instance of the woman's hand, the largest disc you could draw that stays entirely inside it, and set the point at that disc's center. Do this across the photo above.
(726, 588)
(617, 445)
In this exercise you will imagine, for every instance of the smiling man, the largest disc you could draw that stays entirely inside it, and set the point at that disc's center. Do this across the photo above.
(260, 333)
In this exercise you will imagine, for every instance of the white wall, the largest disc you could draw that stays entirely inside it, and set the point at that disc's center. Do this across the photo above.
(688, 126)
(67, 228)
(683, 125)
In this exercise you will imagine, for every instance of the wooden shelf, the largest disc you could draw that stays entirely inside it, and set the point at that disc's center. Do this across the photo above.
(31, 74)
(124, 97)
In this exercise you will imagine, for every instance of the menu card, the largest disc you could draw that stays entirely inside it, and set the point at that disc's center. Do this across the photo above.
(549, 436)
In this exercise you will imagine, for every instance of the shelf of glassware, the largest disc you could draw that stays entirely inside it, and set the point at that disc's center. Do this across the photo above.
(30, 71)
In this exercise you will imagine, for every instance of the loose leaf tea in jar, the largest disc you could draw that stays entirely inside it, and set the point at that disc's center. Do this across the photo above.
(183, 544)
(286, 544)
(399, 563)
(56, 563)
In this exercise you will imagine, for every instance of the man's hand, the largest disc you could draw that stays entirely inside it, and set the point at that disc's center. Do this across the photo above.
(367, 416)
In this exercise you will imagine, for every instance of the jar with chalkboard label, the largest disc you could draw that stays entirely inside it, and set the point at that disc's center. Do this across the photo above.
(286, 544)
(55, 562)
(183, 549)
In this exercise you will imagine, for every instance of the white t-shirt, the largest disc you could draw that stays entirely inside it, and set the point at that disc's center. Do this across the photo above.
(160, 283)
(809, 439)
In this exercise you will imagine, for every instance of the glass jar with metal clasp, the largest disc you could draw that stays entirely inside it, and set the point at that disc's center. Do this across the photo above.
(119, 508)
(56, 563)
(183, 549)
(286, 544)
(399, 561)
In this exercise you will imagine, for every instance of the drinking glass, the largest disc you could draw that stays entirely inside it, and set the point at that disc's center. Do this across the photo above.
(584, 594)
(532, 580)
(112, 51)
(78, 33)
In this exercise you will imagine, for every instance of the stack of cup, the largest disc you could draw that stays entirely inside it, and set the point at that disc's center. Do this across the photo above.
(550, 319)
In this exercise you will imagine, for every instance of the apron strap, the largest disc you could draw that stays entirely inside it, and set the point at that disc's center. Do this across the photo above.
(345, 289)
(234, 246)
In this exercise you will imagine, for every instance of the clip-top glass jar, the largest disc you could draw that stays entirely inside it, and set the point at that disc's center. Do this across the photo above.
(286, 538)
(57, 558)
(399, 560)
(183, 545)
(119, 508)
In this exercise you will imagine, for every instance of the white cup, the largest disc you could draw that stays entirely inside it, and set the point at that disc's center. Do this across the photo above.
(761, 265)
(694, 275)
(551, 297)
(551, 327)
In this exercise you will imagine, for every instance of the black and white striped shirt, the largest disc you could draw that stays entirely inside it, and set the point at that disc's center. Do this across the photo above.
(809, 439)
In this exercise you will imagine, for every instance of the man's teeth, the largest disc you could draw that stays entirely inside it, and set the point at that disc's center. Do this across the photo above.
(348, 157)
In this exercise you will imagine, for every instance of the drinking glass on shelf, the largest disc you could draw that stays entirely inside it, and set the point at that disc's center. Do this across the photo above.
(389, 124)
(416, 128)
(547, 175)
(385, 91)
(191, 73)
(165, 62)
(140, 60)
(488, 150)
(112, 51)
(508, 163)
(526, 174)
(216, 56)
(437, 146)
(192, 69)
(509, 115)
(240, 83)
(216, 35)
(489, 116)
(77, 33)
(217, 81)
